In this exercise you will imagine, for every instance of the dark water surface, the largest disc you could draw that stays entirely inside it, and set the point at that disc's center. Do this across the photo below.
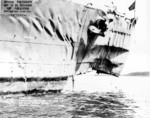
(68, 105)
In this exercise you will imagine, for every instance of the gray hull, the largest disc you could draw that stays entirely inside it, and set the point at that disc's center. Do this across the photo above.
(57, 39)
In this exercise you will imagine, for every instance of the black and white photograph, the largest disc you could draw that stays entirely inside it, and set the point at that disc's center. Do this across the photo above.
(74, 59)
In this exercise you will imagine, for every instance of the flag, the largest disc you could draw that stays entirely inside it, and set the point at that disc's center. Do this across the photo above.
(132, 7)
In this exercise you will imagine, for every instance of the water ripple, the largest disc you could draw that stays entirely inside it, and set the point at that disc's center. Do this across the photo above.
(69, 105)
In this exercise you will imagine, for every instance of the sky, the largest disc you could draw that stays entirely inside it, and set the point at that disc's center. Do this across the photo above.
(139, 56)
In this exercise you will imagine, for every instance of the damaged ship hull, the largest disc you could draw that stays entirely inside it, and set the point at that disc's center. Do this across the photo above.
(56, 40)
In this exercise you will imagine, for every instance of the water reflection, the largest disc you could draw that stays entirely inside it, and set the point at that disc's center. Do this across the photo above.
(69, 105)
(104, 105)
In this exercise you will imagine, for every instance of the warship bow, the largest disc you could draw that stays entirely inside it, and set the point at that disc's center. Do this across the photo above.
(43, 42)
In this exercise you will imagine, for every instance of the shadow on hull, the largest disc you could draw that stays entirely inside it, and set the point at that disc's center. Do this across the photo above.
(34, 86)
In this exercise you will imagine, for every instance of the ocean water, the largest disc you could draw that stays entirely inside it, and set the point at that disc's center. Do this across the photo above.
(91, 97)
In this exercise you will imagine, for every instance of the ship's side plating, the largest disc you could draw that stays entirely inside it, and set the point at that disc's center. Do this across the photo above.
(41, 45)
(40, 50)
